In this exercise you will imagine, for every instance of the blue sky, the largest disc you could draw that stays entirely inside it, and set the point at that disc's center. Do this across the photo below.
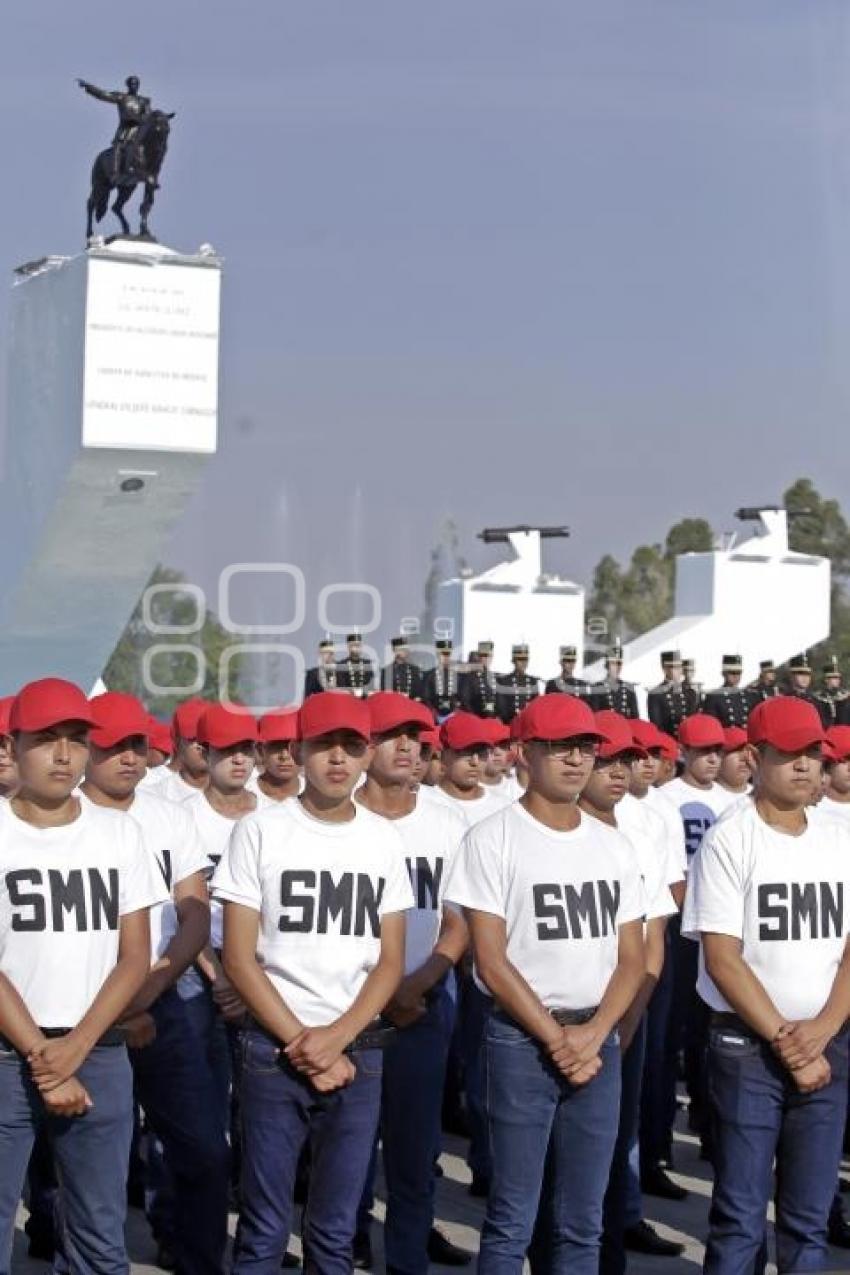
(557, 262)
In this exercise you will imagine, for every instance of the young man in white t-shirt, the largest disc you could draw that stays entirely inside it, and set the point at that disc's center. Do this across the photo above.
(278, 776)
(554, 904)
(467, 744)
(836, 798)
(769, 900)
(699, 800)
(227, 738)
(607, 796)
(172, 1077)
(76, 886)
(187, 770)
(421, 1009)
(734, 775)
(8, 766)
(314, 894)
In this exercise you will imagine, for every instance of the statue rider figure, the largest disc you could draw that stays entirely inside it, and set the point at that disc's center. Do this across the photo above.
(132, 111)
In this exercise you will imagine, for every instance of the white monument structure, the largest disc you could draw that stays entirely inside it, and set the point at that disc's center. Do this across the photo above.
(753, 596)
(515, 601)
(112, 415)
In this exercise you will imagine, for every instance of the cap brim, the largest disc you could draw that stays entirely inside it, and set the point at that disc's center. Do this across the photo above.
(589, 732)
(44, 721)
(795, 739)
(333, 728)
(108, 738)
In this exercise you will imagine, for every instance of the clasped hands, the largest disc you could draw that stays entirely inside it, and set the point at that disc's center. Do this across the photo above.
(575, 1053)
(317, 1053)
(800, 1047)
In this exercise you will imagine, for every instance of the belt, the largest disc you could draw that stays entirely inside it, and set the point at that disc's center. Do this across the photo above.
(375, 1036)
(725, 1018)
(563, 1017)
(111, 1038)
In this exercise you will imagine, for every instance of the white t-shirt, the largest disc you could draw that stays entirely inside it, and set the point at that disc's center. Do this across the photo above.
(63, 892)
(646, 832)
(674, 836)
(476, 809)
(263, 800)
(787, 898)
(431, 835)
(698, 809)
(563, 896)
(321, 890)
(173, 788)
(835, 809)
(214, 831)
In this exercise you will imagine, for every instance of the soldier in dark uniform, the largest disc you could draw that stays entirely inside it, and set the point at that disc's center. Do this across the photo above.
(833, 702)
(441, 685)
(729, 703)
(516, 689)
(567, 683)
(764, 687)
(691, 689)
(402, 676)
(612, 691)
(478, 685)
(800, 678)
(325, 676)
(357, 675)
(667, 704)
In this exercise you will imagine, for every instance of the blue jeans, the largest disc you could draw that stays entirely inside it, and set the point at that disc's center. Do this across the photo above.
(174, 1086)
(658, 1097)
(210, 1029)
(280, 1111)
(414, 1071)
(91, 1154)
(473, 1012)
(759, 1114)
(613, 1256)
(552, 1146)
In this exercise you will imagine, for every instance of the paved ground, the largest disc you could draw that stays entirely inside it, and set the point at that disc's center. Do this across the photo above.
(459, 1215)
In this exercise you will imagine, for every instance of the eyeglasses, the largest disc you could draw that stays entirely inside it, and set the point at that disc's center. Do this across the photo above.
(561, 749)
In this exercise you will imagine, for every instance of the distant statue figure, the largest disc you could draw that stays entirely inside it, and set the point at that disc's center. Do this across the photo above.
(136, 155)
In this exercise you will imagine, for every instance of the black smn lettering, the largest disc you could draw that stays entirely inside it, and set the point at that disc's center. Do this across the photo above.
(550, 912)
(166, 868)
(23, 922)
(302, 904)
(426, 882)
(609, 905)
(804, 909)
(335, 901)
(582, 909)
(773, 912)
(104, 899)
(832, 910)
(368, 902)
(67, 896)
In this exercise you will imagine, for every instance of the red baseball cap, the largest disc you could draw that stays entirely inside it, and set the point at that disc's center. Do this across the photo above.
(646, 734)
(620, 736)
(6, 703)
(48, 702)
(222, 727)
(734, 737)
(787, 722)
(838, 739)
(159, 736)
(500, 734)
(669, 746)
(463, 730)
(280, 725)
(329, 711)
(432, 738)
(558, 717)
(184, 723)
(117, 716)
(390, 709)
(701, 731)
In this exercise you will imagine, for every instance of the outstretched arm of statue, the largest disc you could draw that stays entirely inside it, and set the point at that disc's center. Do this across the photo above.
(102, 95)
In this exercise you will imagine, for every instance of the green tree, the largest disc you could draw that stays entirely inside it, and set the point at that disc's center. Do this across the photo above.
(125, 670)
(820, 528)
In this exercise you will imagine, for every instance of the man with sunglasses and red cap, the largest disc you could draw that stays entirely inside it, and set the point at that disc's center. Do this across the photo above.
(314, 895)
(767, 899)
(187, 771)
(554, 904)
(76, 888)
(278, 776)
(421, 1009)
(606, 797)
(173, 1082)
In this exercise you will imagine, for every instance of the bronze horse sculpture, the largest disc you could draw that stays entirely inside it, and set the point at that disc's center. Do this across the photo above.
(149, 149)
